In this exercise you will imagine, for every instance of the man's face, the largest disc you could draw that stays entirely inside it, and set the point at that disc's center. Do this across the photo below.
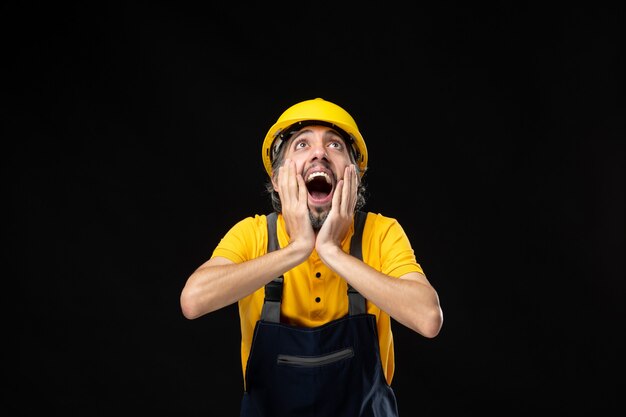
(321, 156)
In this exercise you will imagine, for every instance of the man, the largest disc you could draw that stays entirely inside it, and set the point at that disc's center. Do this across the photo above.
(318, 283)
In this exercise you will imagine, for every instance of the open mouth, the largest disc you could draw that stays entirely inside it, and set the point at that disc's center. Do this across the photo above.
(319, 185)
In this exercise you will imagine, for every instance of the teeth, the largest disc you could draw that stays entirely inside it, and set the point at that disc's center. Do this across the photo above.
(318, 174)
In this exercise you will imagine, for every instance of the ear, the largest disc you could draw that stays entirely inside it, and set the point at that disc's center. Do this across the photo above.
(275, 181)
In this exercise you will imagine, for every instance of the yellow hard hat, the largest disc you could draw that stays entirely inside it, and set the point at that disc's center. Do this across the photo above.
(303, 114)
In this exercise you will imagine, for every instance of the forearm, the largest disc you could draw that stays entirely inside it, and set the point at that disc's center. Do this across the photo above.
(410, 300)
(219, 282)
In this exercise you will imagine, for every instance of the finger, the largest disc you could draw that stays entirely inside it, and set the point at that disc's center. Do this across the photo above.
(285, 180)
(338, 196)
(302, 191)
(348, 191)
(291, 169)
(354, 188)
(295, 188)
(281, 179)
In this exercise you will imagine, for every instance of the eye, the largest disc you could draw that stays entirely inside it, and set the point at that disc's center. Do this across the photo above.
(299, 144)
(335, 144)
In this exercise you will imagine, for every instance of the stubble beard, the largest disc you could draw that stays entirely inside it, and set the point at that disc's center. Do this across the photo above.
(317, 217)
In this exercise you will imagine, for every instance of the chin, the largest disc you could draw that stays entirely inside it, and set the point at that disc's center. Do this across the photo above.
(317, 216)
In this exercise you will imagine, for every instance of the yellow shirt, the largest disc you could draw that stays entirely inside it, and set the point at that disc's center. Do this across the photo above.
(312, 293)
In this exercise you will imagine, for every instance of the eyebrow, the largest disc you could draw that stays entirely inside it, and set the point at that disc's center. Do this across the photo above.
(283, 138)
(331, 131)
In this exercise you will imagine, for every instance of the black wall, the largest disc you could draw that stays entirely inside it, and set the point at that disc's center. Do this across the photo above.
(132, 142)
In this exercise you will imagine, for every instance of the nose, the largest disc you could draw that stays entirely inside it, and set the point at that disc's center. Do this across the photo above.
(318, 151)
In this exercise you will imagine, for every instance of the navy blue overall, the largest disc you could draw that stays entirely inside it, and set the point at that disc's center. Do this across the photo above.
(333, 370)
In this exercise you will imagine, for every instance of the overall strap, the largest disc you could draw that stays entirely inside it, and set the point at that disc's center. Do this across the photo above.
(356, 301)
(274, 289)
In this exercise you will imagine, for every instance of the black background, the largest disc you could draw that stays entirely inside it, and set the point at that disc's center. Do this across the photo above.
(132, 142)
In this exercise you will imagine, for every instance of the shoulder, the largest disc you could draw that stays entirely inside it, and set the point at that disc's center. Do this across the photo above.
(386, 246)
(379, 222)
(384, 229)
(251, 224)
(249, 230)
(245, 240)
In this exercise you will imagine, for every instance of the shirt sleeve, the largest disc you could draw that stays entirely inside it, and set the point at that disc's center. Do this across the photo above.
(396, 253)
(244, 240)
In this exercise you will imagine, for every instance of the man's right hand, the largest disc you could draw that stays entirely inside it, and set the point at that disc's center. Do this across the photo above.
(295, 209)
